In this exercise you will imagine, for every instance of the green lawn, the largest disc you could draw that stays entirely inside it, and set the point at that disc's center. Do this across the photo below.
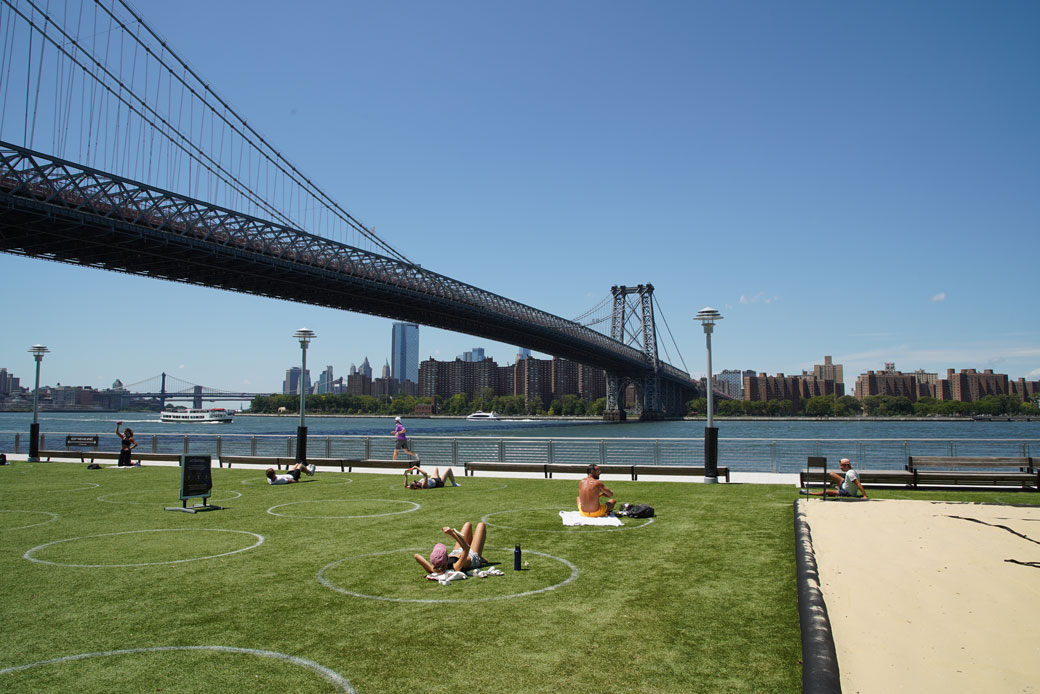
(701, 599)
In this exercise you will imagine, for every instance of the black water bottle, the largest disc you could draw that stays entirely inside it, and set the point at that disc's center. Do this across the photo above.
(516, 558)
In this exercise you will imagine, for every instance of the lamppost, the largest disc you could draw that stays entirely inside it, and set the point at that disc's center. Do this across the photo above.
(707, 316)
(34, 429)
(304, 336)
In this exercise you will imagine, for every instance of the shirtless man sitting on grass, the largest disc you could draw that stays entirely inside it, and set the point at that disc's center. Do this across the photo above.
(590, 490)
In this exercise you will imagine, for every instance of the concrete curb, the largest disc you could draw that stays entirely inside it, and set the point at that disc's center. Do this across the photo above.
(819, 659)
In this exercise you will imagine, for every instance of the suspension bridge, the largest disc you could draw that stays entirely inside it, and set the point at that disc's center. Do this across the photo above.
(164, 387)
(150, 172)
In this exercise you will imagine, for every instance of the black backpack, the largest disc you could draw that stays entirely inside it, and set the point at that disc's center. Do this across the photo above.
(641, 511)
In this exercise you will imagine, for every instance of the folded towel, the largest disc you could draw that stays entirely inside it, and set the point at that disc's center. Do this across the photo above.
(575, 518)
(446, 577)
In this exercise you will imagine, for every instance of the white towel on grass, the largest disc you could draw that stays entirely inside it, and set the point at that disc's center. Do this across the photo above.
(575, 518)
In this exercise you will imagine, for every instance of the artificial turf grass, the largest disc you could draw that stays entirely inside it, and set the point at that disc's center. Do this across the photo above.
(702, 599)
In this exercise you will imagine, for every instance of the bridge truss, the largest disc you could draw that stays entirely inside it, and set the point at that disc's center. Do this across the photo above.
(57, 210)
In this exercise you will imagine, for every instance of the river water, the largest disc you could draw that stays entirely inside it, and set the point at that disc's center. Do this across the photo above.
(746, 445)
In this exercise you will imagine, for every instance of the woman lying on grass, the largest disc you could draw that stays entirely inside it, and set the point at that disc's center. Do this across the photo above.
(429, 481)
(466, 554)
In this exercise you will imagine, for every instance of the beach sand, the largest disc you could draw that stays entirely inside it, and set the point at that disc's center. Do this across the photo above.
(922, 600)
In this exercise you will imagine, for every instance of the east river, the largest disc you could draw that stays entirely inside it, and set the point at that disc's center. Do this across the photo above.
(759, 445)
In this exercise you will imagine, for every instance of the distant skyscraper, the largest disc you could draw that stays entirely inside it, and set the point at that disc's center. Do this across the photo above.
(386, 370)
(291, 384)
(404, 352)
(524, 353)
(365, 369)
(325, 381)
(475, 354)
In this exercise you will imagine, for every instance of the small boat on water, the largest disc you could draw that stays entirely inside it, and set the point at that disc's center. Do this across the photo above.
(483, 417)
(217, 415)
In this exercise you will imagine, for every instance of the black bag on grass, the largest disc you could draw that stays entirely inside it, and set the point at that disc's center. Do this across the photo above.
(641, 511)
(93, 466)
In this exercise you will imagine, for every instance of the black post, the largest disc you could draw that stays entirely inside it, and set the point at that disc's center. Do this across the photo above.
(34, 442)
(301, 445)
(711, 455)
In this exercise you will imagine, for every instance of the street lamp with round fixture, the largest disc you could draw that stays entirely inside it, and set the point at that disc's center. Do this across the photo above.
(708, 316)
(304, 336)
(34, 429)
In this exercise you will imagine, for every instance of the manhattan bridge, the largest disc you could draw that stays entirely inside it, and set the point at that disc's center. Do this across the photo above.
(115, 154)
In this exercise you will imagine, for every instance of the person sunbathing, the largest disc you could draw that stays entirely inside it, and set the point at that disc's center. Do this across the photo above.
(466, 555)
(429, 481)
(590, 489)
(292, 477)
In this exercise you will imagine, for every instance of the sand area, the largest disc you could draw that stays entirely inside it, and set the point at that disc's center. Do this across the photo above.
(930, 597)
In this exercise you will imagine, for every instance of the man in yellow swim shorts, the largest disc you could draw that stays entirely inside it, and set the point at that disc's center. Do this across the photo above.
(590, 489)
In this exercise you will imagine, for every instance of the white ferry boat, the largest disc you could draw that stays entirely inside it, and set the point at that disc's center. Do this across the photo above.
(483, 417)
(215, 414)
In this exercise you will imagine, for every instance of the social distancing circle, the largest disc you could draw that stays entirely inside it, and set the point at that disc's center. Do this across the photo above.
(158, 496)
(331, 676)
(47, 490)
(412, 587)
(133, 546)
(344, 508)
(28, 514)
(554, 519)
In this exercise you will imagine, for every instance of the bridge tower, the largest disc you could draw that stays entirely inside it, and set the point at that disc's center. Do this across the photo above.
(643, 337)
(162, 393)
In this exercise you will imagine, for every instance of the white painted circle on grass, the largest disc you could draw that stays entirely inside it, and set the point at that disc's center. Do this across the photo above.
(150, 503)
(28, 555)
(415, 507)
(576, 529)
(54, 517)
(90, 485)
(331, 676)
(329, 584)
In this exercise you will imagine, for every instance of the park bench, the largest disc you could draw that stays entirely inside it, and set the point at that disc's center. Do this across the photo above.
(476, 465)
(632, 471)
(972, 470)
(869, 478)
(111, 455)
(686, 470)
(344, 464)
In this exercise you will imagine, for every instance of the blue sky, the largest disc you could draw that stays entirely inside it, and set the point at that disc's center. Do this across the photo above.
(859, 180)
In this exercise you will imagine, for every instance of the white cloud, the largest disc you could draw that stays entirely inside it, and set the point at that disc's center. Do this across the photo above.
(1033, 375)
(757, 298)
(181, 366)
(941, 296)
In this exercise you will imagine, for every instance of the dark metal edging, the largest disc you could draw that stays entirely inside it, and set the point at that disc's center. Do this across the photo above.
(819, 659)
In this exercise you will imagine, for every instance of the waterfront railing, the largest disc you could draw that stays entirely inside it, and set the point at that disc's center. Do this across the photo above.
(739, 454)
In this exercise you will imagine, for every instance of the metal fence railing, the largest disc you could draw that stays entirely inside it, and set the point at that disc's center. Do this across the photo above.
(739, 454)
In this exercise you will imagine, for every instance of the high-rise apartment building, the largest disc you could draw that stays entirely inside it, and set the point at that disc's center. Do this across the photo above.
(829, 371)
(404, 352)
(731, 381)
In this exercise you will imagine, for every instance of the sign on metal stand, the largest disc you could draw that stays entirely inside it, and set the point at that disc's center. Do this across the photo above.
(196, 481)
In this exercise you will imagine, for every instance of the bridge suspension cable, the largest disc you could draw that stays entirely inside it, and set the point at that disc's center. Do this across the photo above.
(164, 114)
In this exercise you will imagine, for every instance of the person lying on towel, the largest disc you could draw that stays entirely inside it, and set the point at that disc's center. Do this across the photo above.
(590, 489)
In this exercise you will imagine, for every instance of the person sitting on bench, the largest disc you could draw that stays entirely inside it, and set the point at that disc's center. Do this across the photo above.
(590, 489)
(429, 481)
(847, 484)
(292, 477)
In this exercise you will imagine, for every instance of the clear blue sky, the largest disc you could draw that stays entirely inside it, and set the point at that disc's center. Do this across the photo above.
(859, 180)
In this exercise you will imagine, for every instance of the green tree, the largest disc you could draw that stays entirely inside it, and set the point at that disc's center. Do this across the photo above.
(730, 408)
(847, 406)
(597, 407)
(819, 406)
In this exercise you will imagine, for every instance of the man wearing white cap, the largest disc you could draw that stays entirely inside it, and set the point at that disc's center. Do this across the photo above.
(402, 439)
(848, 485)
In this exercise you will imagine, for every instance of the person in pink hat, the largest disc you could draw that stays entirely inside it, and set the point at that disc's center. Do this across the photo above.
(466, 555)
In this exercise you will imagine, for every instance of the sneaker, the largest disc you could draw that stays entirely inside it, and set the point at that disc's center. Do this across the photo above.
(310, 469)
(137, 464)
(455, 484)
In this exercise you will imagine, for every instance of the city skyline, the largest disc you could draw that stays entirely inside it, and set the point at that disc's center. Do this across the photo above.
(767, 161)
